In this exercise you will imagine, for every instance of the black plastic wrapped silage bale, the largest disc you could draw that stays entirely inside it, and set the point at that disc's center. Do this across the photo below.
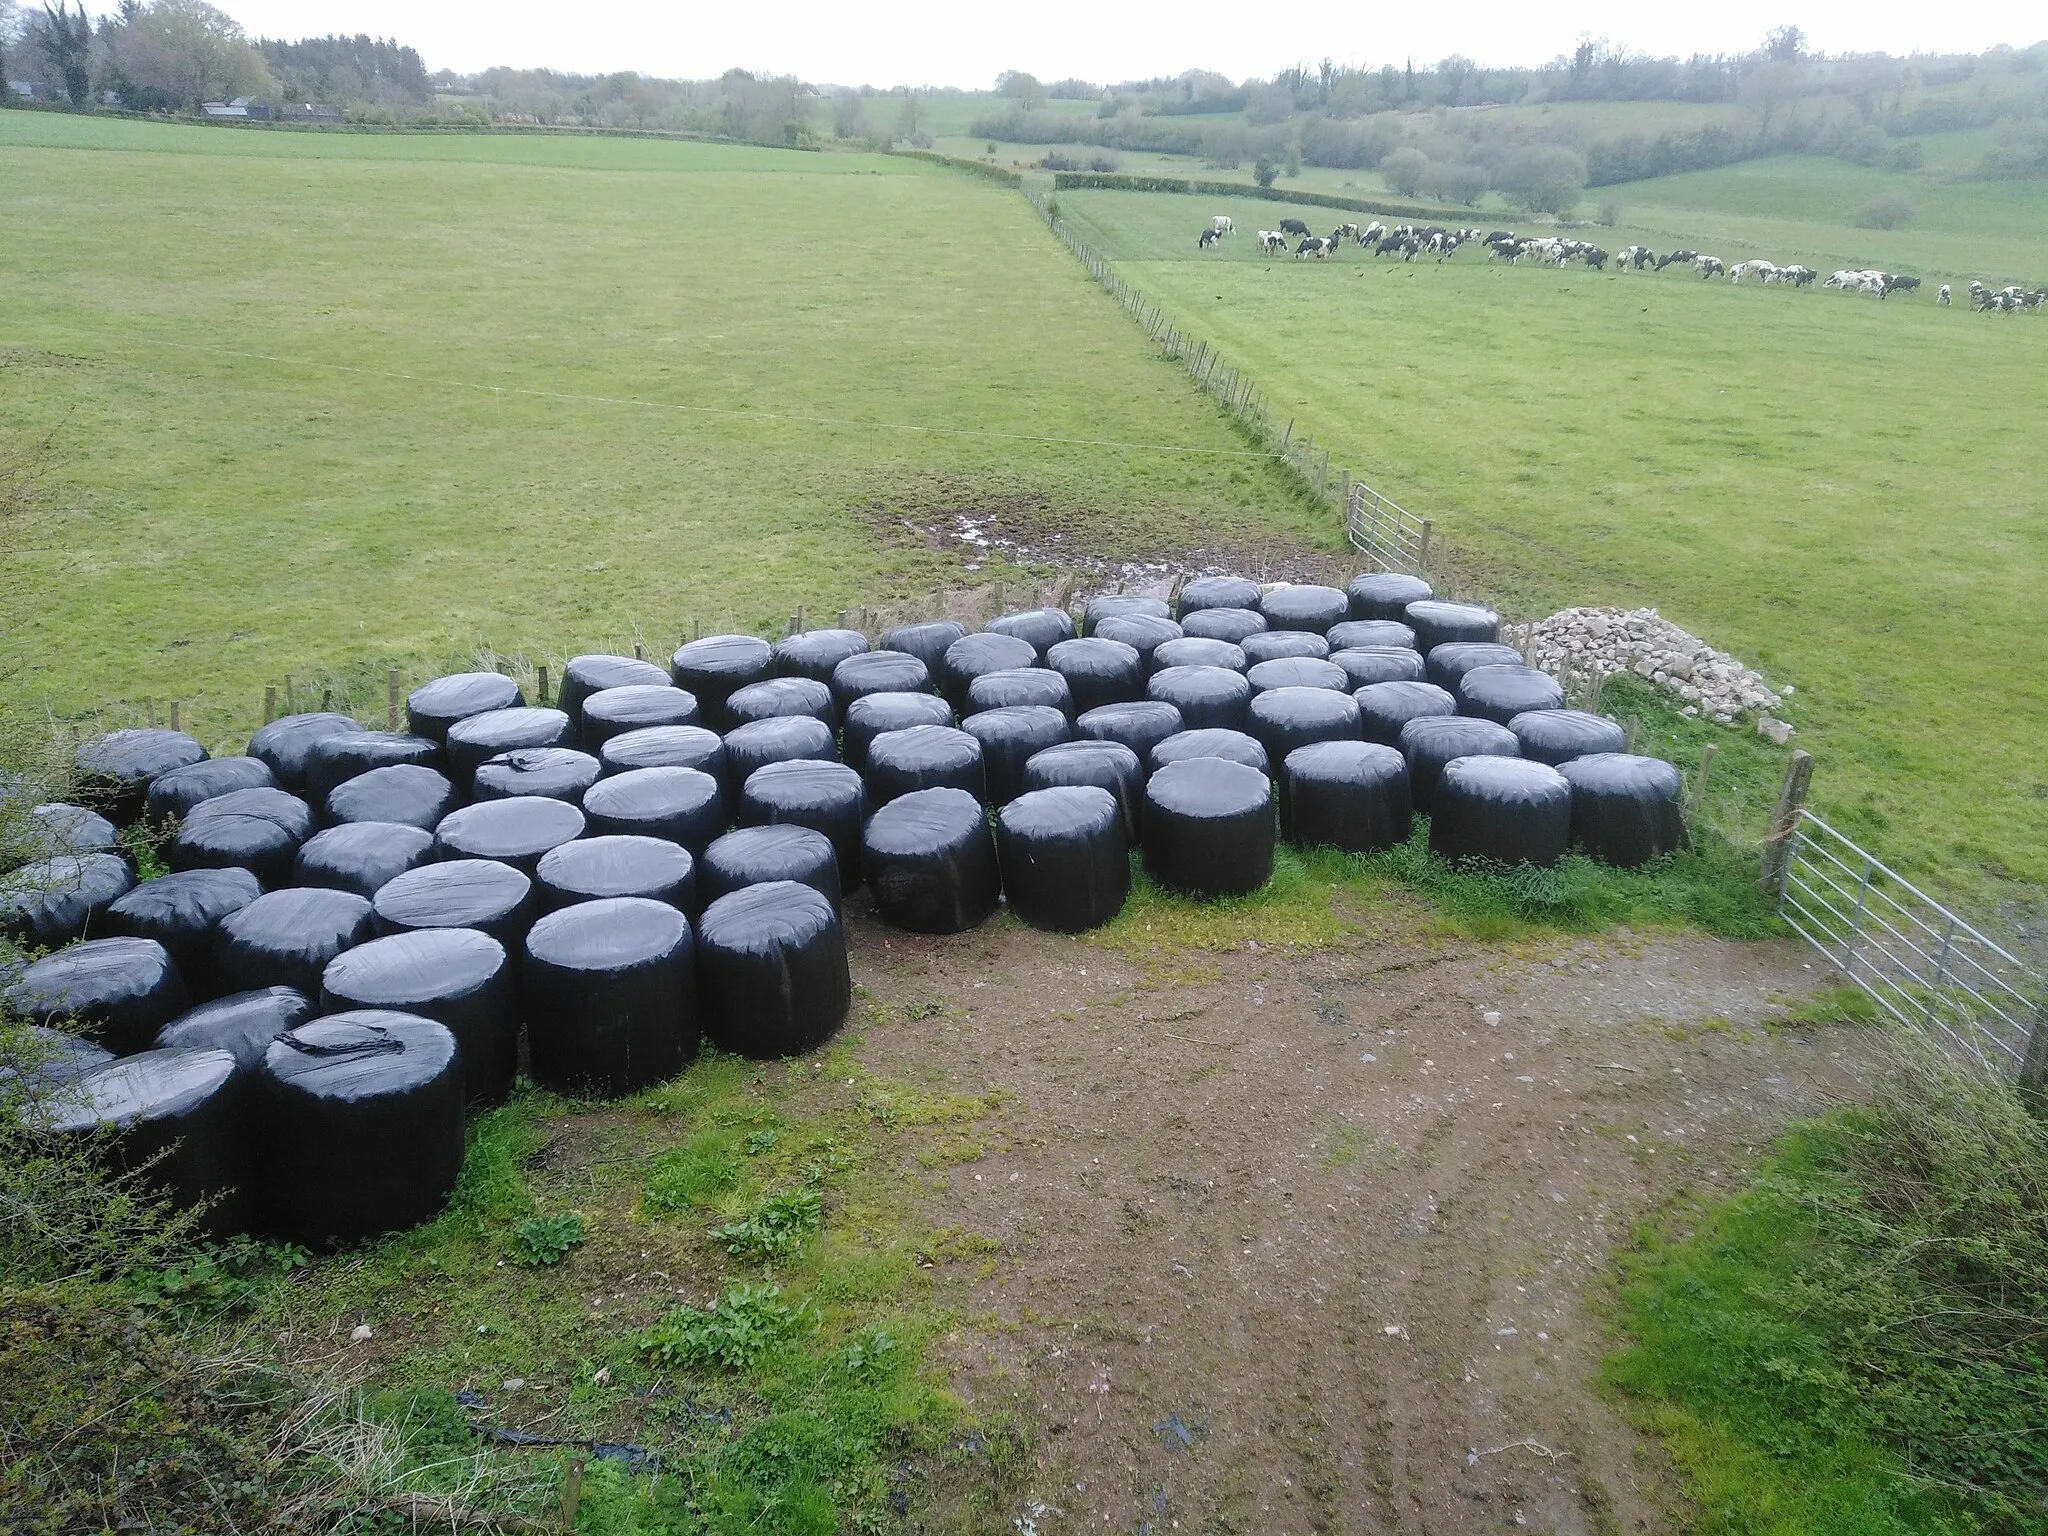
(1143, 634)
(1283, 644)
(930, 862)
(635, 707)
(785, 739)
(54, 901)
(259, 830)
(1009, 738)
(1205, 696)
(55, 830)
(433, 707)
(515, 832)
(1501, 693)
(243, 1024)
(920, 758)
(1366, 665)
(1285, 718)
(172, 794)
(826, 797)
(1507, 810)
(1233, 626)
(116, 770)
(597, 868)
(1209, 828)
(684, 805)
(285, 938)
(1210, 592)
(287, 810)
(1362, 634)
(1193, 651)
(587, 675)
(611, 996)
(405, 792)
(544, 773)
(358, 1128)
(474, 741)
(1014, 687)
(1434, 740)
(1140, 726)
(1296, 672)
(1098, 671)
(1384, 708)
(1065, 858)
(120, 992)
(873, 714)
(1436, 623)
(1626, 809)
(363, 856)
(1556, 736)
(972, 655)
(816, 653)
(1386, 594)
(286, 746)
(458, 977)
(764, 854)
(183, 912)
(1212, 741)
(176, 1119)
(1448, 663)
(1039, 628)
(1120, 605)
(1305, 607)
(927, 642)
(716, 666)
(334, 760)
(483, 894)
(1106, 765)
(44, 1058)
(781, 698)
(1351, 795)
(772, 966)
(665, 746)
(878, 672)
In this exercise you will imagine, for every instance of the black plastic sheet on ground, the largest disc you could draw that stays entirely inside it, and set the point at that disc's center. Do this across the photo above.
(1206, 592)
(1501, 693)
(54, 901)
(1448, 663)
(363, 856)
(1505, 809)
(1206, 697)
(1386, 594)
(458, 977)
(1432, 741)
(1351, 795)
(595, 868)
(1280, 644)
(334, 760)
(931, 863)
(243, 1024)
(1556, 736)
(816, 653)
(878, 672)
(432, 708)
(1107, 765)
(407, 792)
(1361, 634)
(1231, 625)
(286, 746)
(1626, 809)
(1437, 623)
(1009, 738)
(1365, 665)
(927, 642)
(684, 805)
(183, 912)
(1193, 651)
(766, 854)
(826, 797)
(872, 714)
(1211, 741)
(611, 996)
(515, 832)
(635, 707)
(779, 698)
(115, 770)
(714, 667)
(545, 773)
(772, 964)
(1140, 726)
(173, 794)
(1065, 857)
(120, 992)
(586, 675)
(286, 938)
(1209, 828)
(1285, 718)
(923, 757)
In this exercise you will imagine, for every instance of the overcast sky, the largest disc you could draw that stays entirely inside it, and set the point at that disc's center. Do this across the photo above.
(960, 42)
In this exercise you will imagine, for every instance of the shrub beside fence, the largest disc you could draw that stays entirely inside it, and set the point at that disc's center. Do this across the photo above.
(979, 168)
(1111, 181)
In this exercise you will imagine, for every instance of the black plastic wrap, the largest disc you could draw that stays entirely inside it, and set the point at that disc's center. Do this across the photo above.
(1501, 693)
(285, 938)
(1009, 738)
(1432, 741)
(1231, 625)
(716, 666)
(58, 830)
(665, 746)
(358, 1127)
(1140, 726)
(243, 1024)
(286, 746)
(927, 642)
(334, 760)
(1626, 809)
(1205, 696)
(1366, 665)
(1384, 708)
(543, 773)
(119, 992)
(762, 855)
(931, 862)
(406, 792)
(826, 797)
(1013, 687)
(1447, 665)
(183, 912)
(115, 770)
(1209, 828)
(458, 977)
(1386, 594)
(1193, 651)
(1305, 607)
(178, 1120)
(254, 829)
(432, 708)
(784, 739)
(1065, 857)
(276, 805)
(54, 901)
(515, 832)
(635, 707)
(1296, 672)
(1436, 623)
(683, 805)
(1142, 633)
(771, 962)
(923, 757)
(873, 714)
(364, 856)
(1100, 671)
(479, 738)
(586, 675)
(878, 672)
(1509, 810)
(781, 698)
(1107, 765)
(1206, 592)
(1039, 628)
(1351, 795)
(1212, 741)
(459, 893)
(50, 1057)
(1364, 634)
(1121, 605)
(597, 868)
(1283, 644)
(611, 996)
(816, 653)
(972, 655)
(173, 794)
(1556, 736)
(1285, 718)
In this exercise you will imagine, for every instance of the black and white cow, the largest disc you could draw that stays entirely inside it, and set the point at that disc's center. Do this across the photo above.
(1293, 227)
(1712, 266)
(1677, 259)
(1316, 246)
(1943, 297)
(1272, 242)
(1897, 282)
(1634, 258)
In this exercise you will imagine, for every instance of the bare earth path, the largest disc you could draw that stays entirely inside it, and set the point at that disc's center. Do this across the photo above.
(1307, 1241)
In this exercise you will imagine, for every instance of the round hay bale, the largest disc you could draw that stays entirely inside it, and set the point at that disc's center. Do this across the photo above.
(927, 642)
(1370, 634)
(1009, 738)
(1233, 626)
(55, 830)
(1295, 672)
(172, 794)
(1107, 765)
(404, 792)
(242, 1024)
(54, 901)
(635, 707)
(1284, 644)
(878, 672)
(761, 855)
(285, 938)
(781, 698)
(1100, 671)
(598, 868)
(1065, 857)
(1350, 795)
(587, 675)
(1232, 746)
(972, 656)
(1447, 664)
(874, 714)
(458, 977)
(816, 653)
(538, 773)
(718, 666)
(1039, 628)
(432, 708)
(1384, 708)
(477, 739)
(1210, 592)
(1285, 718)
(116, 770)
(1556, 736)
(1193, 651)
(1016, 687)
(286, 746)
(1306, 607)
(1626, 809)
(664, 746)
(1366, 665)
(826, 797)
(364, 856)
(482, 894)
(1142, 634)
(254, 829)
(1386, 594)
(1437, 623)
(1140, 726)
(790, 738)
(118, 991)
(1507, 810)
(772, 962)
(183, 912)
(1209, 828)
(333, 760)
(1431, 741)
(515, 832)
(1206, 697)
(930, 861)
(611, 996)
(683, 805)
(1501, 693)
(1119, 605)
(921, 758)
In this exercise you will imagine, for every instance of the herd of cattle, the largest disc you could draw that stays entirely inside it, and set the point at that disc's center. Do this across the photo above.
(1408, 242)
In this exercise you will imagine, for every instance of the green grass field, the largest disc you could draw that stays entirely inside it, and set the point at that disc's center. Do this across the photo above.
(1844, 493)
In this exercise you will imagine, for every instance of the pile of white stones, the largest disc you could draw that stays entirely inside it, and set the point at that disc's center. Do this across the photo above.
(1606, 641)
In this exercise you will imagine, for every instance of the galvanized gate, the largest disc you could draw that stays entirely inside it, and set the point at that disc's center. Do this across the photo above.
(1391, 536)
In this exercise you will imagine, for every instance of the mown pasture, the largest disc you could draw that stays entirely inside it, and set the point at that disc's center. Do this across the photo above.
(1840, 491)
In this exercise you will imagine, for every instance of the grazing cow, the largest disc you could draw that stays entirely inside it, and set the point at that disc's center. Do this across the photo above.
(1293, 227)
(1346, 232)
(1221, 223)
(1895, 282)
(1712, 266)
(1677, 259)
(2034, 300)
(1857, 282)
(1798, 277)
(1317, 246)
(1370, 235)
(1207, 238)
(1594, 258)
(1761, 270)
(1634, 256)
(1942, 296)
(1272, 242)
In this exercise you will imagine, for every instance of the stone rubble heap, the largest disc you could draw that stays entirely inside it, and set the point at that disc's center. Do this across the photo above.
(1607, 641)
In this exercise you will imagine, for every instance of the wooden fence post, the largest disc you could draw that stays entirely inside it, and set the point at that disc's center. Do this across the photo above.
(391, 700)
(542, 689)
(1699, 789)
(174, 714)
(1784, 820)
(269, 702)
(1422, 550)
(1628, 743)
